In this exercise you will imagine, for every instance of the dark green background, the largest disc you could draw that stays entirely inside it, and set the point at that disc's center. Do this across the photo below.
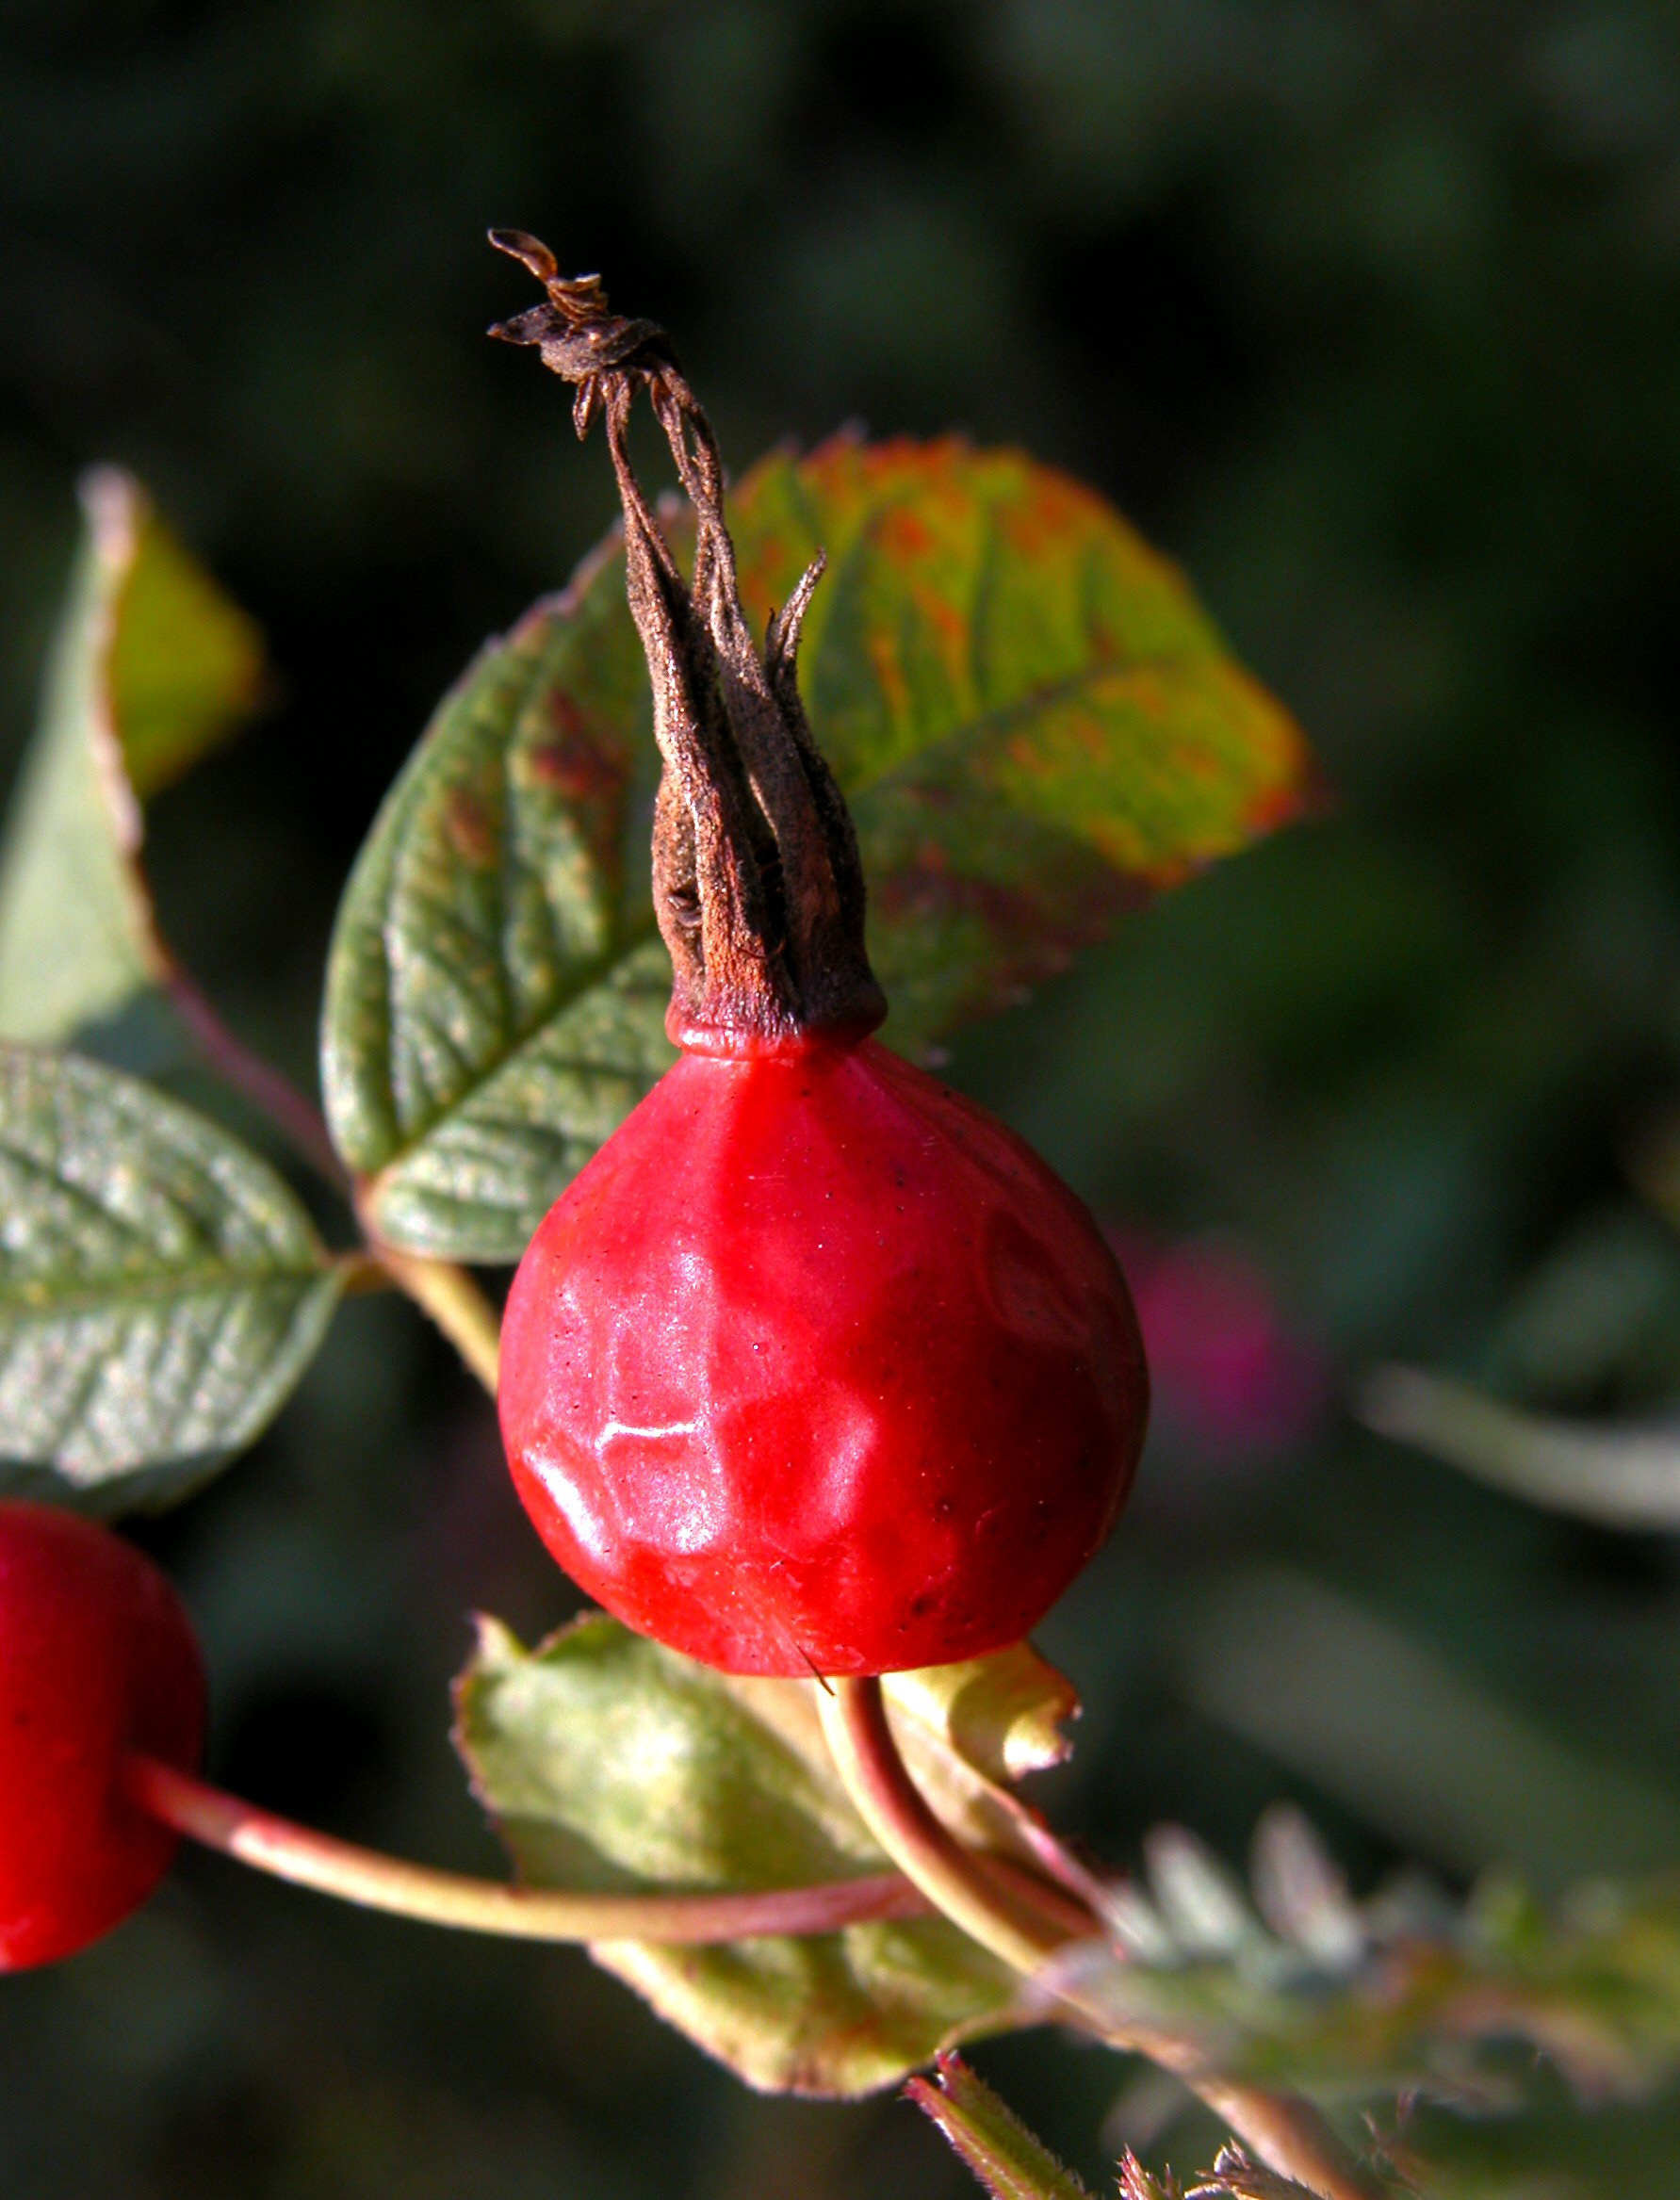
(1368, 313)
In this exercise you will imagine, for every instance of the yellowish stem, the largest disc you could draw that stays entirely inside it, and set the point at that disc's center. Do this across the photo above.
(898, 1814)
(1286, 2132)
(308, 1859)
(448, 1295)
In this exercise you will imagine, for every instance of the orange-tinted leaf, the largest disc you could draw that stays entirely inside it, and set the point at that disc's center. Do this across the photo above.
(1036, 723)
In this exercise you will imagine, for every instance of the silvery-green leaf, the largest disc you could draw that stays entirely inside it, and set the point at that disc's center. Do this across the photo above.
(161, 1290)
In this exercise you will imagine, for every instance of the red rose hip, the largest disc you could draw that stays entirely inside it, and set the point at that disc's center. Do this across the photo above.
(816, 1365)
(97, 1657)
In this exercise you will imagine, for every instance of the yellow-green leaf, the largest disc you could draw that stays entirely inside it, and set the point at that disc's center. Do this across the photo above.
(609, 1762)
(186, 665)
(151, 667)
(1004, 1714)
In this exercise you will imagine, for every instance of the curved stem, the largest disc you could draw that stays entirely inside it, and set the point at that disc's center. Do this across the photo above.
(361, 1273)
(853, 1715)
(1286, 2132)
(362, 1876)
(446, 1294)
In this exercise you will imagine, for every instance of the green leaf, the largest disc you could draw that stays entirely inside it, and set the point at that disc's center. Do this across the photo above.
(1012, 2164)
(151, 667)
(990, 2138)
(609, 1762)
(161, 1290)
(1034, 722)
(1621, 1476)
(496, 990)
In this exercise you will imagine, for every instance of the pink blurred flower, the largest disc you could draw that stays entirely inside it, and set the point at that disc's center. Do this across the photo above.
(1231, 1377)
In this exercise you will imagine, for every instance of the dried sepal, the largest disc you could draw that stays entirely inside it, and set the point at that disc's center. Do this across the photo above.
(758, 883)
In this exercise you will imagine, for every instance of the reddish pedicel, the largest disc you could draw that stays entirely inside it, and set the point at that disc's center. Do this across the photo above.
(97, 1657)
(816, 1365)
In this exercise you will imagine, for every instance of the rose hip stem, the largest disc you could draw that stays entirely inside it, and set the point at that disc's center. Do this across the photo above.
(1286, 2132)
(308, 1859)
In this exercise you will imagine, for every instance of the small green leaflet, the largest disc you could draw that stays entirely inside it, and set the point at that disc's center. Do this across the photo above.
(1002, 1715)
(1012, 2164)
(608, 1761)
(161, 1290)
(990, 2139)
(1034, 722)
(152, 667)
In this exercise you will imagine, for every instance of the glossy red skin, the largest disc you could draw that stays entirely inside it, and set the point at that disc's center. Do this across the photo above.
(96, 1657)
(816, 1365)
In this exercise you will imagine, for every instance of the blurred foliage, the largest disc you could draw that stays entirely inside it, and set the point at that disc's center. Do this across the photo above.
(1406, 1993)
(1370, 314)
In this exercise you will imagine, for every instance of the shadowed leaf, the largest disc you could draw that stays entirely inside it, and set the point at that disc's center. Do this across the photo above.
(161, 1290)
(152, 667)
(1382, 1719)
(608, 1761)
(1037, 726)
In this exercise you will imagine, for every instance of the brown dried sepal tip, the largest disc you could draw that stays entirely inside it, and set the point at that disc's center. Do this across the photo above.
(755, 875)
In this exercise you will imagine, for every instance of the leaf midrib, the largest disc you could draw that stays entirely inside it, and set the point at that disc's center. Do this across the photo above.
(599, 968)
(135, 1292)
